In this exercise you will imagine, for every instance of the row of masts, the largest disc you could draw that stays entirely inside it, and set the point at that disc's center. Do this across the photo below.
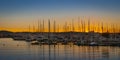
(80, 26)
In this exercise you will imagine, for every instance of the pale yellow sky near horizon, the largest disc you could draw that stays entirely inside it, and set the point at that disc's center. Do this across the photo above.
(22, 24)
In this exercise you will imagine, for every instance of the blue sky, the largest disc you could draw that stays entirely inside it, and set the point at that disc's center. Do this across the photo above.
(54, 7)
(19, 12)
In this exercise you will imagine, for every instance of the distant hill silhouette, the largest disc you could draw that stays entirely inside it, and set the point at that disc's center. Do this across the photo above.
(5, 31)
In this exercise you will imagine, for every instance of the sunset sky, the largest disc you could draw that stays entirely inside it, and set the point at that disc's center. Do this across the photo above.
(17, 15)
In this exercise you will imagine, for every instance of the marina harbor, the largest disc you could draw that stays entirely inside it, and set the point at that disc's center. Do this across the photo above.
(59, 29)
(64, 38)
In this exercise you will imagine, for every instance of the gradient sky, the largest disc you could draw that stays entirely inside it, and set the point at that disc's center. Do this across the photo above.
(18, 14)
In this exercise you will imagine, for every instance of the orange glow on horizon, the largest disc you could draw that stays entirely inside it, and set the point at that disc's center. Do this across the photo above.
(61, 29)
(68, 24)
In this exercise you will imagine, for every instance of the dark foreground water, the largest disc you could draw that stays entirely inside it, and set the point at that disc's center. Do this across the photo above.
(21, 50)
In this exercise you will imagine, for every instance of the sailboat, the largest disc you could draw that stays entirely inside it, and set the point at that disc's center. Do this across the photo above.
(29, 37)
(92, 41)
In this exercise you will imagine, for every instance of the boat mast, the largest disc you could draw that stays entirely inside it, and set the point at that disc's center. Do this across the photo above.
(79, 24)
(107, 29)
(33, 28)
(49, 39)
(102, 27)
(82, 26)
(98, 28)
(54, 26)
(49, 30)
(43, 26)
(114, 32)
(65, 27)
(89, 25)
(38, 26)
(73, 25)
(29, 28)
(57, 28)
(72, 32)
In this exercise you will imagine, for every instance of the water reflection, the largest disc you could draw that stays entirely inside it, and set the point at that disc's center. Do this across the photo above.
(21, 50)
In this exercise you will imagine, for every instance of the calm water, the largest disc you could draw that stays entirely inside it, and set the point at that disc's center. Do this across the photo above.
(21, 50)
